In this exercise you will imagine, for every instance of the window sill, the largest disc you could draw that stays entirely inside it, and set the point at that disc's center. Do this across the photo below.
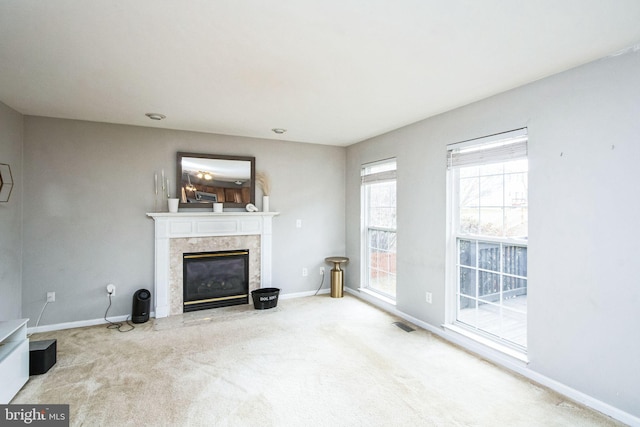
(378, 296)
(508, 351)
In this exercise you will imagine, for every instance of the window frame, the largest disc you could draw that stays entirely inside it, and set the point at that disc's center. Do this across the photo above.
(454, 236)
(366, 180)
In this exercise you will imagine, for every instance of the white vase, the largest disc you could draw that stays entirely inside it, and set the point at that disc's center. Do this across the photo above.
(173, 205)
(265, 203)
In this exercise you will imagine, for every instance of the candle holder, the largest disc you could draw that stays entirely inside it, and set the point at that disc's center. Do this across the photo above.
(161, 192)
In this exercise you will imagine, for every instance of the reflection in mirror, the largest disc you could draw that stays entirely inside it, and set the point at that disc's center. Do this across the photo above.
(207, 178)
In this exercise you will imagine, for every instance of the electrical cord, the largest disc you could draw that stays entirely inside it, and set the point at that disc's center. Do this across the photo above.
(117, 325)
(39, 317)
(321, 283)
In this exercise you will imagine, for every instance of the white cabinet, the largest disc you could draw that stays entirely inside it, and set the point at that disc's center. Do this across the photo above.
(14, 358)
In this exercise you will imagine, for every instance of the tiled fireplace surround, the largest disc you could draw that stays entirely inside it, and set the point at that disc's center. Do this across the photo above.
(177, 233)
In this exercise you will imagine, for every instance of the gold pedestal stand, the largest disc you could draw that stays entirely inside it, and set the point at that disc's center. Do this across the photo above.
(337, 276)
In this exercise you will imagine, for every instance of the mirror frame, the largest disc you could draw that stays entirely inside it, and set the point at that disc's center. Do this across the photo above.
(209, 205)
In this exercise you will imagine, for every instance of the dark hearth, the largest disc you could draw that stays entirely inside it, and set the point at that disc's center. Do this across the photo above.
(215, 279)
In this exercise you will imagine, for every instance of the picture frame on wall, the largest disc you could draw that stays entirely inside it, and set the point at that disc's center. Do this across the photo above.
(6, 182)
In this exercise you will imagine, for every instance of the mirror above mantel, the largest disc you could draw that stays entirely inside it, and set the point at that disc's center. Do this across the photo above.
(203, 179)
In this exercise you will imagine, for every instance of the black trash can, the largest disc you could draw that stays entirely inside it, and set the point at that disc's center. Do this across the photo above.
(265, 298)
(141, 306)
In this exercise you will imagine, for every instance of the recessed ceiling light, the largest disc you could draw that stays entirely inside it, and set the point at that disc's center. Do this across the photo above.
(279, 131)
(156, 116)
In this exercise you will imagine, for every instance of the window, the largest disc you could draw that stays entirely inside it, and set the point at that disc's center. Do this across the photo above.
(489, 232)
(379, 227)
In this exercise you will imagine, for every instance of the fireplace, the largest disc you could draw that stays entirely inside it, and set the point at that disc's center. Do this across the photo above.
(215, 279)
(192, 232)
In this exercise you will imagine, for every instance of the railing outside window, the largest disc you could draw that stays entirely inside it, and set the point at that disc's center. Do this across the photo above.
(493, 288)
(381, 249)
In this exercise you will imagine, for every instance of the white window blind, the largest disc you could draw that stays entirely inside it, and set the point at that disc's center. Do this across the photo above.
(490, 149)
(382, 171)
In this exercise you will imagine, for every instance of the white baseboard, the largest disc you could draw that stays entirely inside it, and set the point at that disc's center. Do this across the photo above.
(78, 324)
(508, 362)
(93, 322)
(303, 294)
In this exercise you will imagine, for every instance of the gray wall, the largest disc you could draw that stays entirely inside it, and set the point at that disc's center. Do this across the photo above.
(87, 189)
(584, 288)
(11, 125)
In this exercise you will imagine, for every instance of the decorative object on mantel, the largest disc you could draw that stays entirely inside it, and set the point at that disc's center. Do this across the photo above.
(6, 182)
(265, 185)
(251, 208)
(162, 192)
(173, 205)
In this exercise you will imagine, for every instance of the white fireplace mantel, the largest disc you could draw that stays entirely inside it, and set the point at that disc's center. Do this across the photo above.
(205, 224)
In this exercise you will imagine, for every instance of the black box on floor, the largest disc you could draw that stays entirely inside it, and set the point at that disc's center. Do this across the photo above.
(42, 356)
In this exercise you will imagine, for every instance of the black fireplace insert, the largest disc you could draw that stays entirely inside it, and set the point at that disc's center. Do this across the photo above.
(215, 279)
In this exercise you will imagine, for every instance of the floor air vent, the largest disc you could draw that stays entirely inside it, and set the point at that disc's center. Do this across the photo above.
(404, 327)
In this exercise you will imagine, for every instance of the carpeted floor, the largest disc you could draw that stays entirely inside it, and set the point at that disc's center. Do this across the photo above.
(313, 361)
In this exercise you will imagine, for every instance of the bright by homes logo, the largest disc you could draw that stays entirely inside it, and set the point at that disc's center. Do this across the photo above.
(34, 415)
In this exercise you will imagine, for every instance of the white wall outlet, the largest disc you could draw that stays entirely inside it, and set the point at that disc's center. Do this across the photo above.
(305, 272)
(322, 270)
(51, 297)
(111, 289)
(429, 297)
(298, 223)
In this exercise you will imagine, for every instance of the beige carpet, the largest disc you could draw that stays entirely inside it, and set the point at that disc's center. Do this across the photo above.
(313, 361)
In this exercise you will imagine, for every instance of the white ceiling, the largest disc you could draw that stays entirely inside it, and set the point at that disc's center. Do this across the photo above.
(329, 71)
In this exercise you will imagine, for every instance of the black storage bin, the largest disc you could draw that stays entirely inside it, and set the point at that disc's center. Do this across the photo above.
(265, 298)
(141, 306)
(42, 356)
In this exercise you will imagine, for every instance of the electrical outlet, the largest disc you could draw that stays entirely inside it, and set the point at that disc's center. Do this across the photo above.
(429, 297)
(298, 223)
(111, 289)
(305, 272)
(51, 297)
(322, 271)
